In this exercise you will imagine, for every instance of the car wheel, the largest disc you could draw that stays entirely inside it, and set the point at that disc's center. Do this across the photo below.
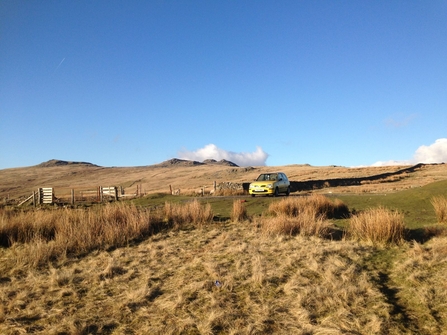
(253, 195)
(288, 191)
(276, 192)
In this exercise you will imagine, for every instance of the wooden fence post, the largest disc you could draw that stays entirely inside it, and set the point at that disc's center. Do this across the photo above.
(72, 196)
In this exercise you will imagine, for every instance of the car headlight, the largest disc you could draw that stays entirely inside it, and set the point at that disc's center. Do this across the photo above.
(269, 185)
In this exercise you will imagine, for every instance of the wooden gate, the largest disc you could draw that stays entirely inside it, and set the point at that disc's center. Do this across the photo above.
(45, 195)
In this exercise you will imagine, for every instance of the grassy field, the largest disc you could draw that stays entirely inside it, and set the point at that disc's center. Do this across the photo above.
(164, 264)
(414, 203)
(173, 267)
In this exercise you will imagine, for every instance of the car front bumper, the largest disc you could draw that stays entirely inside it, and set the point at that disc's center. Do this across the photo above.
(258, 191)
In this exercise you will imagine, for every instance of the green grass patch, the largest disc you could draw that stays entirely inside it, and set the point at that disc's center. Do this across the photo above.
(414, 203)
(222, 206)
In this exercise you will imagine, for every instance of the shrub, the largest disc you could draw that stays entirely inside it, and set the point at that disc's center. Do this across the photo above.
(239, 212)
(377, 226)
(439, 203)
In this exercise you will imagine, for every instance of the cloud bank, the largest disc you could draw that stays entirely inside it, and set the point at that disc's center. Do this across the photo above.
(433, 153)
(211, 151)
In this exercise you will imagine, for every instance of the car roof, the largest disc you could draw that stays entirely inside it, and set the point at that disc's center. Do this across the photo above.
(273, 172)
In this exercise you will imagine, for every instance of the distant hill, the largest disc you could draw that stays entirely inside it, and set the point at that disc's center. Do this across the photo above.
(57, 162)
(169, 163)
(190, 176)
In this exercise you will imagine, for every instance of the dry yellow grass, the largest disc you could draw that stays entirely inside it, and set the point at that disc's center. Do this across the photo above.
(190, 213)
(440, 205)
(167, 285)
(378, 226)
(421, 286)
(219, 279)
(239, 211)
(41, 236)
(307, 216)
(316, 203)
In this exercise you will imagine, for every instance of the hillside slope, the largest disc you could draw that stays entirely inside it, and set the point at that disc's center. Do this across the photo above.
(190, 176)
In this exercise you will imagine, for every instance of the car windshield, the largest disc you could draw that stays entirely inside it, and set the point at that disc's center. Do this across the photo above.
(267, 176)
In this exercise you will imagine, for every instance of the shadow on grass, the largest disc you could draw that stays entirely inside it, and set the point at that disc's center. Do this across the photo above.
(422, 235)
(335, 234)
(398, 311)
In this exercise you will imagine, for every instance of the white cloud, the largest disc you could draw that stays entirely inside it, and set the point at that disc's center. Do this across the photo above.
(433, 153)
(391, 162)
(211, 151)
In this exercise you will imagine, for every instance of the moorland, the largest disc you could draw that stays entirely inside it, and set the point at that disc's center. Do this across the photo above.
(351, 251)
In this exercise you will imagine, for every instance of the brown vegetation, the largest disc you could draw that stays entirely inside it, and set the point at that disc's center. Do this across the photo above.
(307, 216)
(317, 203)
(21, 182)
(44, 236)
(378, 226)
(122, 269)
(239, 212)
(192, 212)
(421, 287)
(440, 205)
(219, 279)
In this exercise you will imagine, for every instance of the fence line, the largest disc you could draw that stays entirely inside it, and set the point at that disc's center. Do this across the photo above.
(49, 195)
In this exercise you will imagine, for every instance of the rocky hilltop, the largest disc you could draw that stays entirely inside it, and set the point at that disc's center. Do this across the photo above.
(184, 162)
(58, 162)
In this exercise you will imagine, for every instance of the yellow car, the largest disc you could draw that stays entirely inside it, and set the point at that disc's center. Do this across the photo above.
(270, 184)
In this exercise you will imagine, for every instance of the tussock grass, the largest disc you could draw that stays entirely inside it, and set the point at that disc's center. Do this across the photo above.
(439, 204)
(239, 211)
(167, 285)
(192, 212)
(321, 205)
(41, 236)
(219, 279)
(306, 223)
(304, 215)
(379, 226)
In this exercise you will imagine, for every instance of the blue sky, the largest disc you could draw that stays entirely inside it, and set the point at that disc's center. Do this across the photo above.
(130, 83)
